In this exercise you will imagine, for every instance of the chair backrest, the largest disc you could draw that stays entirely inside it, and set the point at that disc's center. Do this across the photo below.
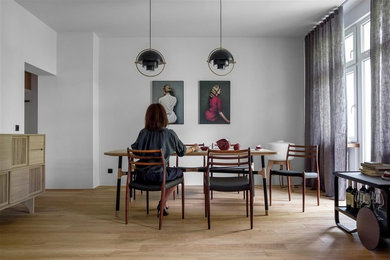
(281, 148)
(230, 158)
(303, 151)
(145, 158)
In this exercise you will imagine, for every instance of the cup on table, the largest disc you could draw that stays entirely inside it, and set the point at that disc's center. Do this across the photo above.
(258, 147)
(236, 146)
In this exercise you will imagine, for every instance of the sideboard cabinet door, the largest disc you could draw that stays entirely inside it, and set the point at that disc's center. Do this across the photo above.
(19, 184)
(3, 189)
(19, 151)
(5, 152)
(36, 149)
(37, 180)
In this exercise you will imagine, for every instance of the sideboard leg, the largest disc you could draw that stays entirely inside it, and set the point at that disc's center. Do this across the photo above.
(30, 204)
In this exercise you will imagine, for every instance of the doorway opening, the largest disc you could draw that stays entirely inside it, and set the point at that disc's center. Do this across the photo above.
(30, 103)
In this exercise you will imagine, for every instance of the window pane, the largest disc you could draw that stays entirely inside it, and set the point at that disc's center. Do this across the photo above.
(366, 111)
(349, 50)
(365, 36)
(351, 107)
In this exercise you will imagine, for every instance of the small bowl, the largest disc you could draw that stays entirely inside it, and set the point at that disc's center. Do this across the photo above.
(204, 148)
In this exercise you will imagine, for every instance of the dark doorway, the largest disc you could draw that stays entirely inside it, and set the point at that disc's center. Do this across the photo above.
(30, 103)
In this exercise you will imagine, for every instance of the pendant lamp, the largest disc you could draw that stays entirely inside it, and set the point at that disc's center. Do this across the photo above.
(150, 62)
(220, 60)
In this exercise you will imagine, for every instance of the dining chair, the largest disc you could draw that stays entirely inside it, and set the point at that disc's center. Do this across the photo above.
(147, 158)
(229, 162)
(231, 146)
(307, 152)
(280, 147)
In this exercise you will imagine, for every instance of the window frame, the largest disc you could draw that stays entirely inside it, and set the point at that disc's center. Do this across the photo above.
(357, 66)
(353, 69)
(351, 31)
(364, 21)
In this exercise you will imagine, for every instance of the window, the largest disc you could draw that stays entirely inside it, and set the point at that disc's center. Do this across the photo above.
(349, 48)
(351, 106)
(365, 29)
(366, 109)
(358, 87)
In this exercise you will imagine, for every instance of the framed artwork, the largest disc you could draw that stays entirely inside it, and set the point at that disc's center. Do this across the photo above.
(214, 102)
(170, 94)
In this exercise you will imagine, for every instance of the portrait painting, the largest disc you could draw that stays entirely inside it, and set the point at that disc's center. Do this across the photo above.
(170, 94)
(214, 102)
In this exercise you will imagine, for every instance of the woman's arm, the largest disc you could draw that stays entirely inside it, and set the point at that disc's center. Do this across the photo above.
(224, 117)
(178, 146)
(218, 101)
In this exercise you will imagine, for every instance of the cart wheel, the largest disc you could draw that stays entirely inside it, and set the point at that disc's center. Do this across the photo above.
(368, 228)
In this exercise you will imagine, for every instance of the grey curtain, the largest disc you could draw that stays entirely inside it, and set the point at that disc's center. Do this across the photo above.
(325, 97)
(380, 80)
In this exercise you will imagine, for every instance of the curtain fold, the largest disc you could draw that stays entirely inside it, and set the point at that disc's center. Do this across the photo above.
(380, 80)
(325, 98)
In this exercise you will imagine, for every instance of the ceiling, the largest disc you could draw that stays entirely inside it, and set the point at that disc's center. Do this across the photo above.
(182, 18)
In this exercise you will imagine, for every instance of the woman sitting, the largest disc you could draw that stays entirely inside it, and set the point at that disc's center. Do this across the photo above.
(155, 135)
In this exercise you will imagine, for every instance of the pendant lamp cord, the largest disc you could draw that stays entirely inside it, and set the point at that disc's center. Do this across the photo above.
(150, 24)
(220, 23)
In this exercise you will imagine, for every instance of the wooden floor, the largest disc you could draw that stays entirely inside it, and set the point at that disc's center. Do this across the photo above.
(82, 224)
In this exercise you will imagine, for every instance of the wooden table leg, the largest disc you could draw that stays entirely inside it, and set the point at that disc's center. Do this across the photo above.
(265, 195)
(264, 184)
(118, 186)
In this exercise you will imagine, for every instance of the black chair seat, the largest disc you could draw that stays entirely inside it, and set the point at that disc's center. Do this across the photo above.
(308, 175)
(235, 169)
(229, 183)
(154, 187)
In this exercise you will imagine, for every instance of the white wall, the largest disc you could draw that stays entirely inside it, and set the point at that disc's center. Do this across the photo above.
(267, 91)
(24, 39)
(66, 113)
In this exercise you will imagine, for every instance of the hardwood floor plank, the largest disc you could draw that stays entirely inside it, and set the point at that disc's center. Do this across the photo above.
(82, 224)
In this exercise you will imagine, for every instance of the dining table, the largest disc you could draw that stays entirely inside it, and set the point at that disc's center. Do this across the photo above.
(120, 153)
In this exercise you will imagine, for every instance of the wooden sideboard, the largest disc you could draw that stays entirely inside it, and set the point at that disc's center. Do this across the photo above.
(22, 169)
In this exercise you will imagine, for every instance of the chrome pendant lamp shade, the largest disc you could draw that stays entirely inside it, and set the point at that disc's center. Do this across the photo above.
(150, 62)
(220, 60)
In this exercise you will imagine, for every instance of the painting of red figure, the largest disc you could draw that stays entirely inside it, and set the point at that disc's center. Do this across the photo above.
(214, 102)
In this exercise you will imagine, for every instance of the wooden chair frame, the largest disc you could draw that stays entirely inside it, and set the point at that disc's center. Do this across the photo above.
(153, 157)
(229, 161)
(299, 151)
